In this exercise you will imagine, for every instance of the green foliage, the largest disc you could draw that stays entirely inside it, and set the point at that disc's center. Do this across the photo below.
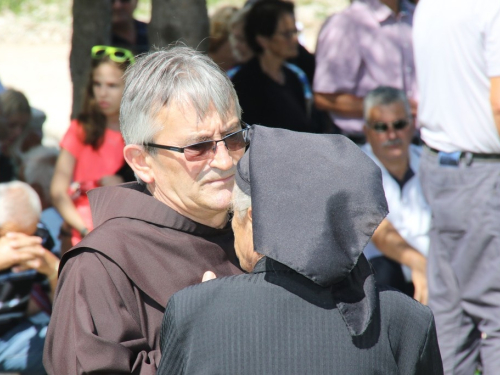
(22, 6)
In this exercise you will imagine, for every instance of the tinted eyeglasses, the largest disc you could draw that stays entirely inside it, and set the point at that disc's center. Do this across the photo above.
(116, 54)
(206, 150)
(382, 127)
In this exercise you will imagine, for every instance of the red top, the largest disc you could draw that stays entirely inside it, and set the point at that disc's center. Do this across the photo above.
(91, 165)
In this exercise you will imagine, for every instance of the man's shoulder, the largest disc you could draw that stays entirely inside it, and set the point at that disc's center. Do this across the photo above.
(233, 290)
(351, 16)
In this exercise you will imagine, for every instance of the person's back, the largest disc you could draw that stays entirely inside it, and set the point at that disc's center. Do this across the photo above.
(276, 321)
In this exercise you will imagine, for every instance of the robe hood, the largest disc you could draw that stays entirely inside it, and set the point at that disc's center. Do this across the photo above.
(141, 234)
(316, 201)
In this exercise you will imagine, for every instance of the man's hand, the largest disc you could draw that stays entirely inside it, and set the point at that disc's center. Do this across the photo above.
(10, 246)
(419, 277)
(31, 254)
(209, 275)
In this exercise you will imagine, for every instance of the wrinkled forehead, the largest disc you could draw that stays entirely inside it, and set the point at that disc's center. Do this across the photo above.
(195, 112)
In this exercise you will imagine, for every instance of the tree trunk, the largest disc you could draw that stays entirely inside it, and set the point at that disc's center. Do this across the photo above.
(91, 26)
(184, 21)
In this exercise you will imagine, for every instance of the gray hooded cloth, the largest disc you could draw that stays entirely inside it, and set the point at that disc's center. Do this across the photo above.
(316, 201)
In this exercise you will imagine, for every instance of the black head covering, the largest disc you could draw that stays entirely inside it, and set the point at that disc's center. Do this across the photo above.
(316, 201)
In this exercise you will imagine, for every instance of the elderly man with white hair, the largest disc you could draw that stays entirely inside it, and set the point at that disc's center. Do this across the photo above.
(23, 262)
(305, 206)
(180, 120)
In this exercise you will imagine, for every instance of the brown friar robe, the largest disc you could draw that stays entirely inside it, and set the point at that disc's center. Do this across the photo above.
(114, 286)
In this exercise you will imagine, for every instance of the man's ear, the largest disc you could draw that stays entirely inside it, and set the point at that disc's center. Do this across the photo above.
(249, 213)
(140, 162)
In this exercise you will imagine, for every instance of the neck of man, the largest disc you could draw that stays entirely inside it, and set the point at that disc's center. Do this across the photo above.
(392, 4)
(272, 66)
(398, 167)
(125, 30)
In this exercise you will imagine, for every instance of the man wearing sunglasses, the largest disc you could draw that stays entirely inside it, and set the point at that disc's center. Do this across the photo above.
(180, 119)
(402, 238)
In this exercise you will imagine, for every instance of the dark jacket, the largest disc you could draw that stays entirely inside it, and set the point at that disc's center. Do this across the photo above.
(276, 321)
(114, 285)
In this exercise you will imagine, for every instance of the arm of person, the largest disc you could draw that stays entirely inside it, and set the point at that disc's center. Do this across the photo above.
(61, 181)
(346, 105)
(495, 100)
(93, 329)
(388, 240)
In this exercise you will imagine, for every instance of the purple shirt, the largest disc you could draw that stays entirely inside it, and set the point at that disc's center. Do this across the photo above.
(363, 47)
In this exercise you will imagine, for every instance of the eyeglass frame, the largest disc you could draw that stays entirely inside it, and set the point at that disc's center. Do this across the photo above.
(385, 126)
(110, 51)
(245, 129)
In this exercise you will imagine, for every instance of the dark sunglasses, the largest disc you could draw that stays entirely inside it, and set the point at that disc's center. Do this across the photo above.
(116, 54)
(206, 150)
(382, 127)
(120, 1)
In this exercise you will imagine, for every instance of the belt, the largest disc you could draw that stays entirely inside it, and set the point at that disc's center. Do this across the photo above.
(453, 158)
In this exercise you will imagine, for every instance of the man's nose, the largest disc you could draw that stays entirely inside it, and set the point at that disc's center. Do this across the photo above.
(222, 160)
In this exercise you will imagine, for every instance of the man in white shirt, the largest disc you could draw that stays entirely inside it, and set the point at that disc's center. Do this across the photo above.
(402, 238)
(457, 52)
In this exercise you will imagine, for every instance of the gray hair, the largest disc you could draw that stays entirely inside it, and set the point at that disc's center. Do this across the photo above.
(384, 95)
(178, 75)
(39, 165)
(240, 202)
(19, 206)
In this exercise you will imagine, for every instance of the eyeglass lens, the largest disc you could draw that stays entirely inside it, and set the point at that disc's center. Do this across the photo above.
(202, 150)
(382, 127)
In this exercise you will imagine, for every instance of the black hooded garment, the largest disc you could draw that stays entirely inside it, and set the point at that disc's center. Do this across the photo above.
(310, 306)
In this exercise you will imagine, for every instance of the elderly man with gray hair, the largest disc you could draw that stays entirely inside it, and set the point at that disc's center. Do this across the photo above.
(180, 119)
(402, 239)
(23, 263)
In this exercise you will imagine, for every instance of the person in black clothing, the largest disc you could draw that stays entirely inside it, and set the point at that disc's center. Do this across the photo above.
(271, 91)
(126, 31)
(309, 304)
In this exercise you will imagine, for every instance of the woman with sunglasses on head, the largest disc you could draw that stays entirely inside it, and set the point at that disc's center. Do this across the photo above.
(92, 148)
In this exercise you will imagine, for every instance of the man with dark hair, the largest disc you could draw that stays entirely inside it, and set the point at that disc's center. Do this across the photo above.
(273, 92)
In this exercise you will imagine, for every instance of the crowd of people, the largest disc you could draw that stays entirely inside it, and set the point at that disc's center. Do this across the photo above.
(261, 208)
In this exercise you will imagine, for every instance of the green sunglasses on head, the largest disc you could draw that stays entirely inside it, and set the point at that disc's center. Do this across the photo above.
(116, 54)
